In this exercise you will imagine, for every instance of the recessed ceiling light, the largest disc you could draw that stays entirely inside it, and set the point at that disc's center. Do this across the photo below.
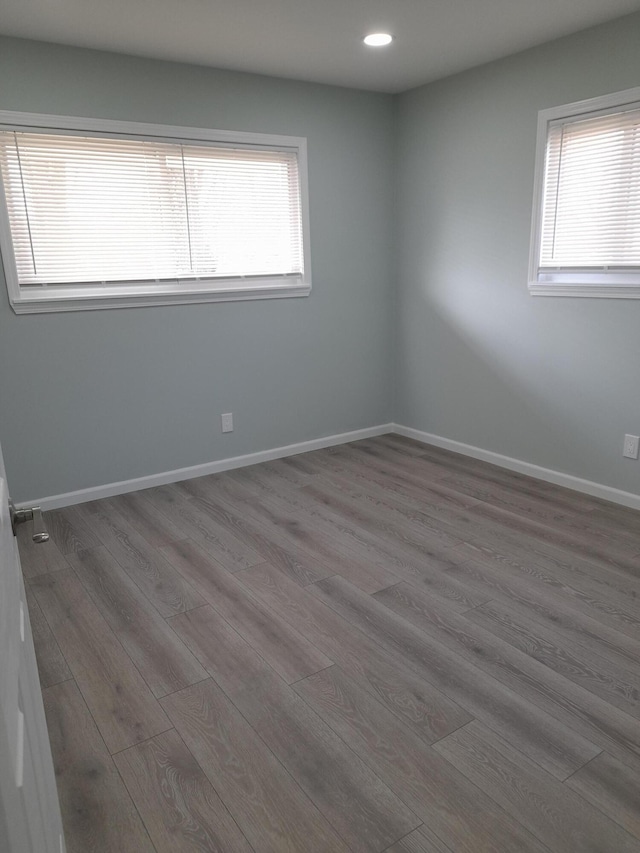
(378, 39)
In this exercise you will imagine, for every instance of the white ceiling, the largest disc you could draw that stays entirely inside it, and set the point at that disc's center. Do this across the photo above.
(316, 40)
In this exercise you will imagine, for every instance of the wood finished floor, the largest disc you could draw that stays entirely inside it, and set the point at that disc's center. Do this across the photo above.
(382, 646)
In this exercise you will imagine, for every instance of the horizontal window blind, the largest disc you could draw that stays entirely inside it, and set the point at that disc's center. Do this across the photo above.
(86, 209)
(591, 202)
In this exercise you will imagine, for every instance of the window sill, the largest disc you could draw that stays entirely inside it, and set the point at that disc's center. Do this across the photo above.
(52, 299)
(597, 291)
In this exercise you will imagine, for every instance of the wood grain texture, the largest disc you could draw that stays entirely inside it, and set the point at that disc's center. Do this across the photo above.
(124, 708)
(165, 663)
(451, 808)
(179, 805)
(302, 535)
(362, 809)
(266, 538)
(233, 553)
(97, 811)
(551, 602)
(165, 588)
(593, 668)
(428, 711)
(611, 787)
(610, 595)
(289, 653)
(226, 656)
(381, 516)
(268, 806)
(539, 735)
(417, 842)
(52, 667)
(69, 531)
(583, 712)
(152, 525)
(550, 810)
(398, 648)
(38, 558)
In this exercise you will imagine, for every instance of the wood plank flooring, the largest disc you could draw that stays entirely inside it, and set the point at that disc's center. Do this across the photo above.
(382, 646)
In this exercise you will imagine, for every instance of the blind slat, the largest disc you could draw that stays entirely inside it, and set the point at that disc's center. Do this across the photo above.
(591, 203)
(88, 209)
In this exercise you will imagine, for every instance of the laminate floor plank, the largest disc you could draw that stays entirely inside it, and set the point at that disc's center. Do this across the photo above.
(370, 549)
(269, 807)
(610, 516)
(122, 705)
(373, 516)
(290, 653)
(69, 531)
(522, 537)
(595, 672)
(376, 646)
(165, 588)
(615, 516)
(536, 733)
(361, 808)
(52, 667)
(588, 542)
(419, 509)
(550, 810)
(301, 534)
(38, 558)
(270, 476)
(417, 842)
(541, 509)
(408, 446)
(97, 811)
(288, 471)
(383, 469)
(611, 595)
(230, 551)
(266, 540)
(611, 787)
(583, 712)
(152, 525)
(165, 663)
(557, 606)
(457, 462)
(452, 809)
(221, 488)
(400, 480)
(427, 567)
(179, 805)
(436, 576)
(422, 707)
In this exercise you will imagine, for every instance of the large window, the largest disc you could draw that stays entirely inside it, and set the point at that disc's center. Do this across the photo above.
(99, 214)
(586, 219)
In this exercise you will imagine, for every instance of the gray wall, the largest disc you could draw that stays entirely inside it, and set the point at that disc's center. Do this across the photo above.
(90, 398)
(555, 382)
(94, 397)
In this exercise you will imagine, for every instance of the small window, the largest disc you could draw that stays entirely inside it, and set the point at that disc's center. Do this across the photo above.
(586, 217)
(99, 214)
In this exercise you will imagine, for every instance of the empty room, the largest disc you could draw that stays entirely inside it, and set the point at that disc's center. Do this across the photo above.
(320, 418)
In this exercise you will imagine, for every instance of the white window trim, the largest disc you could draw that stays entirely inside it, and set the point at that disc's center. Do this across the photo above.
(136, 294)
(620, 285)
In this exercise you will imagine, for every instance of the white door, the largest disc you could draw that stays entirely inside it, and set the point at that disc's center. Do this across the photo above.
(29, 809)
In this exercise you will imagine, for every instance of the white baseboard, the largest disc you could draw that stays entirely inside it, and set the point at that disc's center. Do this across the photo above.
(607, 493)
(108, 490)
(123, 486)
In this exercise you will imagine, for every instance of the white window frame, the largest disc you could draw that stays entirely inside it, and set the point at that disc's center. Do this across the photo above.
(135, 294)
(604, 284)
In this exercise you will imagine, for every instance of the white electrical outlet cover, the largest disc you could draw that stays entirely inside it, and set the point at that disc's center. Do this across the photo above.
(630, 448)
